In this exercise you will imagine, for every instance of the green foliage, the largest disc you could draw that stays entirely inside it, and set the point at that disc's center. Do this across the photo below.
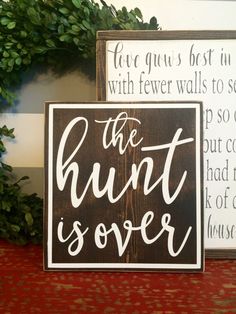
(51, 32)
(20, 214)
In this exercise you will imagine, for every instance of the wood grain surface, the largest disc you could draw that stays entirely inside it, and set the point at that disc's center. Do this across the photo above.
(157, 126)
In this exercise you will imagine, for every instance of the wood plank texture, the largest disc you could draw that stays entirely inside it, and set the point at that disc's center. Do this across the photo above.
(165, 35)
(129, 195)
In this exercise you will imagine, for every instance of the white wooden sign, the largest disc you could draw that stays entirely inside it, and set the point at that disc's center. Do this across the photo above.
(185, 66)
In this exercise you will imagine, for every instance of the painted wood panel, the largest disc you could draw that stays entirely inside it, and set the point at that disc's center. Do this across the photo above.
(123, 186)
(184, 65)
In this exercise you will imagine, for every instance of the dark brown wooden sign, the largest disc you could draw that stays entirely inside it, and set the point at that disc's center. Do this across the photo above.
(123, 186)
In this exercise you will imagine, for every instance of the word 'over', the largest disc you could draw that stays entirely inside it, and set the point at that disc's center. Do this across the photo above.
(76, 236)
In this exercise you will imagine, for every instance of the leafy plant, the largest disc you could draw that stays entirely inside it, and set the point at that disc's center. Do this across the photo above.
(20, 214)
(48, 33)
(52, 32)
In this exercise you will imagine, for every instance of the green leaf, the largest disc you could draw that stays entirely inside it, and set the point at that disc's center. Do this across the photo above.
(11, 62)
(26, 60)
(40, 50)
(61, 29)
(24, 178)
(138, 13)
(29, 219)
(11, 25)
(34, 16)
(64, 11)
(9, 14)
(50, 43)
(15, 228)
(124, 11)
(86, 11)
(6, 206)
(153, 22)
(24, 52)
(65, 37)
(14, 54)
(72, 19)
(8, 132)
(75, 28)
(23, 34)
(104, 3)
(5, 21)
(86, 24)
(8, 45)
(132, 17)
(76, 41)
(6, 167)
(5, 54)
(77, 3)
(2, 147)
(82, 27)
(65, 21)
(18, 61)
(113, 10)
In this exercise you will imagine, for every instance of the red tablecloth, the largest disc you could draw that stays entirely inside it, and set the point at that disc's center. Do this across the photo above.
(26, 288)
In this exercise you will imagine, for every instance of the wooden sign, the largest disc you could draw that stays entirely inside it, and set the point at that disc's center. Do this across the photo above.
(184, 65)
(123, 186)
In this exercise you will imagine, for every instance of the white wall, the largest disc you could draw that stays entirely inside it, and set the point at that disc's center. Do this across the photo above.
(26, 152)
(185, 14)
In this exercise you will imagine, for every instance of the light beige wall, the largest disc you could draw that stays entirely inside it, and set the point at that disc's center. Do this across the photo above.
(186, 14)
(26, 152)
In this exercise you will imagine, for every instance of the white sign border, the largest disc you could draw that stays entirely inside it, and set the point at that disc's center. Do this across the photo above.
(138, 266)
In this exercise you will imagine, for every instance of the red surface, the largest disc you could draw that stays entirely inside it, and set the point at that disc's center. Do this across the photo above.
(26, 288)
